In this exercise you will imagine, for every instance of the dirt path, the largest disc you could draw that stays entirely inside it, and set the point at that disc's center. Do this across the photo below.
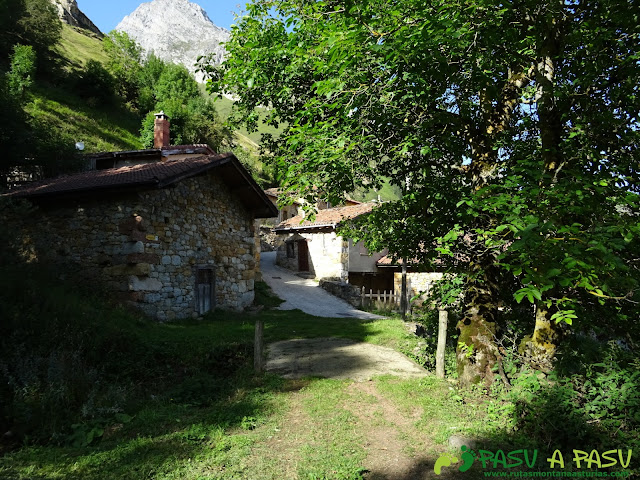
(389, 456)
(338, 358)
(395, 449)
(396, 444)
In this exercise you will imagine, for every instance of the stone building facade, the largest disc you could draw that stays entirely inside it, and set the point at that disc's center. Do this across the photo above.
(174, 239)
(321, 254)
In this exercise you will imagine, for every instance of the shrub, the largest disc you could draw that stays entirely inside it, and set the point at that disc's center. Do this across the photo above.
(96, 84)
(597, 408)
(23, 69)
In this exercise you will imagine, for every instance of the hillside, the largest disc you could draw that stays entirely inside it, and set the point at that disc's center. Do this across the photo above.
(100, 128)
(77, 46)
(55, 100)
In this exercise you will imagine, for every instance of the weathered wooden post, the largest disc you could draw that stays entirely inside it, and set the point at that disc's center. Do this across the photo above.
(403, 290)
(443, 319)
(258, 346)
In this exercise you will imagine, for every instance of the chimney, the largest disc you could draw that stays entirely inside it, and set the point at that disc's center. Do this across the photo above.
(161, 131)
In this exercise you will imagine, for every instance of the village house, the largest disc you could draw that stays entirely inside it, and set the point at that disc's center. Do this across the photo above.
(169, 230)
(314, 247)
(294, 208)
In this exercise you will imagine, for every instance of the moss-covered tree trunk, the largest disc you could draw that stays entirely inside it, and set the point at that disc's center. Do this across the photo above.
(477, 352)
(540, 348)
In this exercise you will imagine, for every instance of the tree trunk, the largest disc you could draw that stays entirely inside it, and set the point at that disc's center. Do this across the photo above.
(540, 348)
(477, 352)
(403, 290)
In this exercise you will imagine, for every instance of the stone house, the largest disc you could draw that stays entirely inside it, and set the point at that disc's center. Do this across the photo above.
(314, 246)
(168, 230)
(271, 241)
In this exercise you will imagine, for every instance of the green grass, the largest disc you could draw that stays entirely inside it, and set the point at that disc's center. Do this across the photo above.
(198, 410)
(78, 46)
(181, 400)
(102, 129)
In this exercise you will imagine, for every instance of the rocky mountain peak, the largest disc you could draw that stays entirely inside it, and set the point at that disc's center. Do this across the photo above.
(69, 13)
(177, 31)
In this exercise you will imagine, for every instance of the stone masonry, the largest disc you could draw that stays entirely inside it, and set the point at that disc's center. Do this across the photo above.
(147, 246)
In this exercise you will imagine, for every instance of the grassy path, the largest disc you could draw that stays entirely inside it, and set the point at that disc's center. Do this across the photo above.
(207, 416)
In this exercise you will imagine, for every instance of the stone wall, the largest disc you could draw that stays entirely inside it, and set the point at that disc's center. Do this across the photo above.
(147, 246)
(418, 282)
(344, 290)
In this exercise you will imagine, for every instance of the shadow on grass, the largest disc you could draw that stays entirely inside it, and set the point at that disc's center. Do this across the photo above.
(544, 423)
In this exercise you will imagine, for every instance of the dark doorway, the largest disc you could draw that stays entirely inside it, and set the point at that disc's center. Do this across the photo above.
(303, 256)
(205, 289)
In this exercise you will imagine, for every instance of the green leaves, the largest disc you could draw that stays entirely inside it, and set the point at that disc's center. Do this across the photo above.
(496, 155)
(532, 293)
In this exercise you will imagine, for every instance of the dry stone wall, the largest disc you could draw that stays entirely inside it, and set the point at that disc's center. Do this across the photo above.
(146, 247)
(418, 282)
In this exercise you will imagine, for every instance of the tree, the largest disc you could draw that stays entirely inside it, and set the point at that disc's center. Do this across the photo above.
(40, 26)
(512, 128)
(125, 58)
(28, 22)
(10, 13)
(151, 71)
(23, 68)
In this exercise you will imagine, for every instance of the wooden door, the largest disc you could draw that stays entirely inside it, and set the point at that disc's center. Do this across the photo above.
(205, 290)
(303, 256)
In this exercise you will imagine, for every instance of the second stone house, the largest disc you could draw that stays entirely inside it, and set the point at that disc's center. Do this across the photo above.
(314, 247)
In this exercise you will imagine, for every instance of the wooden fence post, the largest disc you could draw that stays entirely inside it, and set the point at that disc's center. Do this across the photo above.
(258, 346)
(443, 319)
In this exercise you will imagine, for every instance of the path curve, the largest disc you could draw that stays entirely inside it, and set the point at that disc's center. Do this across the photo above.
(338, 358)
(305, 294)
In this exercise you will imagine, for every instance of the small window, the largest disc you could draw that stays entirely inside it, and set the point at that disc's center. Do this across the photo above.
(291, 250)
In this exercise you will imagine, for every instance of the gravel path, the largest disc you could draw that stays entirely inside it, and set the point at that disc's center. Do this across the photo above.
(338, 358)
(304, 294)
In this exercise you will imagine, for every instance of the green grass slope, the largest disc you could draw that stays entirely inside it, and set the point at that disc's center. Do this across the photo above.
(101, 129)
(54, 100)
(78, 46)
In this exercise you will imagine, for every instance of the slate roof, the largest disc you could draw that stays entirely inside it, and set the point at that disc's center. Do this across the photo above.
(152, 175)
(329, 217)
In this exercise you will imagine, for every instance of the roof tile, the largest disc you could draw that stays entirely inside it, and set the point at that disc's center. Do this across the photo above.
(326, 217)
(148, 174)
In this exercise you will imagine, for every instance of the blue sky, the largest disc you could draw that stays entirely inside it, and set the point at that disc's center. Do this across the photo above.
(106, 14)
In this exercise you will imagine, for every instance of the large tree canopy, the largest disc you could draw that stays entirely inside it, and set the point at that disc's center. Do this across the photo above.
(512, 128)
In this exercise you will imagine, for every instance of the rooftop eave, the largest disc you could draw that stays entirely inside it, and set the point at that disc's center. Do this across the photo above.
(305, 227)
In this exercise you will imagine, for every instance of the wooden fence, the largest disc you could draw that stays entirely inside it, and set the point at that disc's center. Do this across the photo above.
(382, 299)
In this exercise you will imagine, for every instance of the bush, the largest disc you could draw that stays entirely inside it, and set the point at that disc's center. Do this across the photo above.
(596, 409)
(96, 84)
(23, 69)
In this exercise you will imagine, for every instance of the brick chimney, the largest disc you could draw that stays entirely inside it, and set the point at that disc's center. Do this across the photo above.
(161, 131)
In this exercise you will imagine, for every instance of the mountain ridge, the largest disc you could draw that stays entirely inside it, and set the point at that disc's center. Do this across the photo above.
(70, 14)
(177, 31)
